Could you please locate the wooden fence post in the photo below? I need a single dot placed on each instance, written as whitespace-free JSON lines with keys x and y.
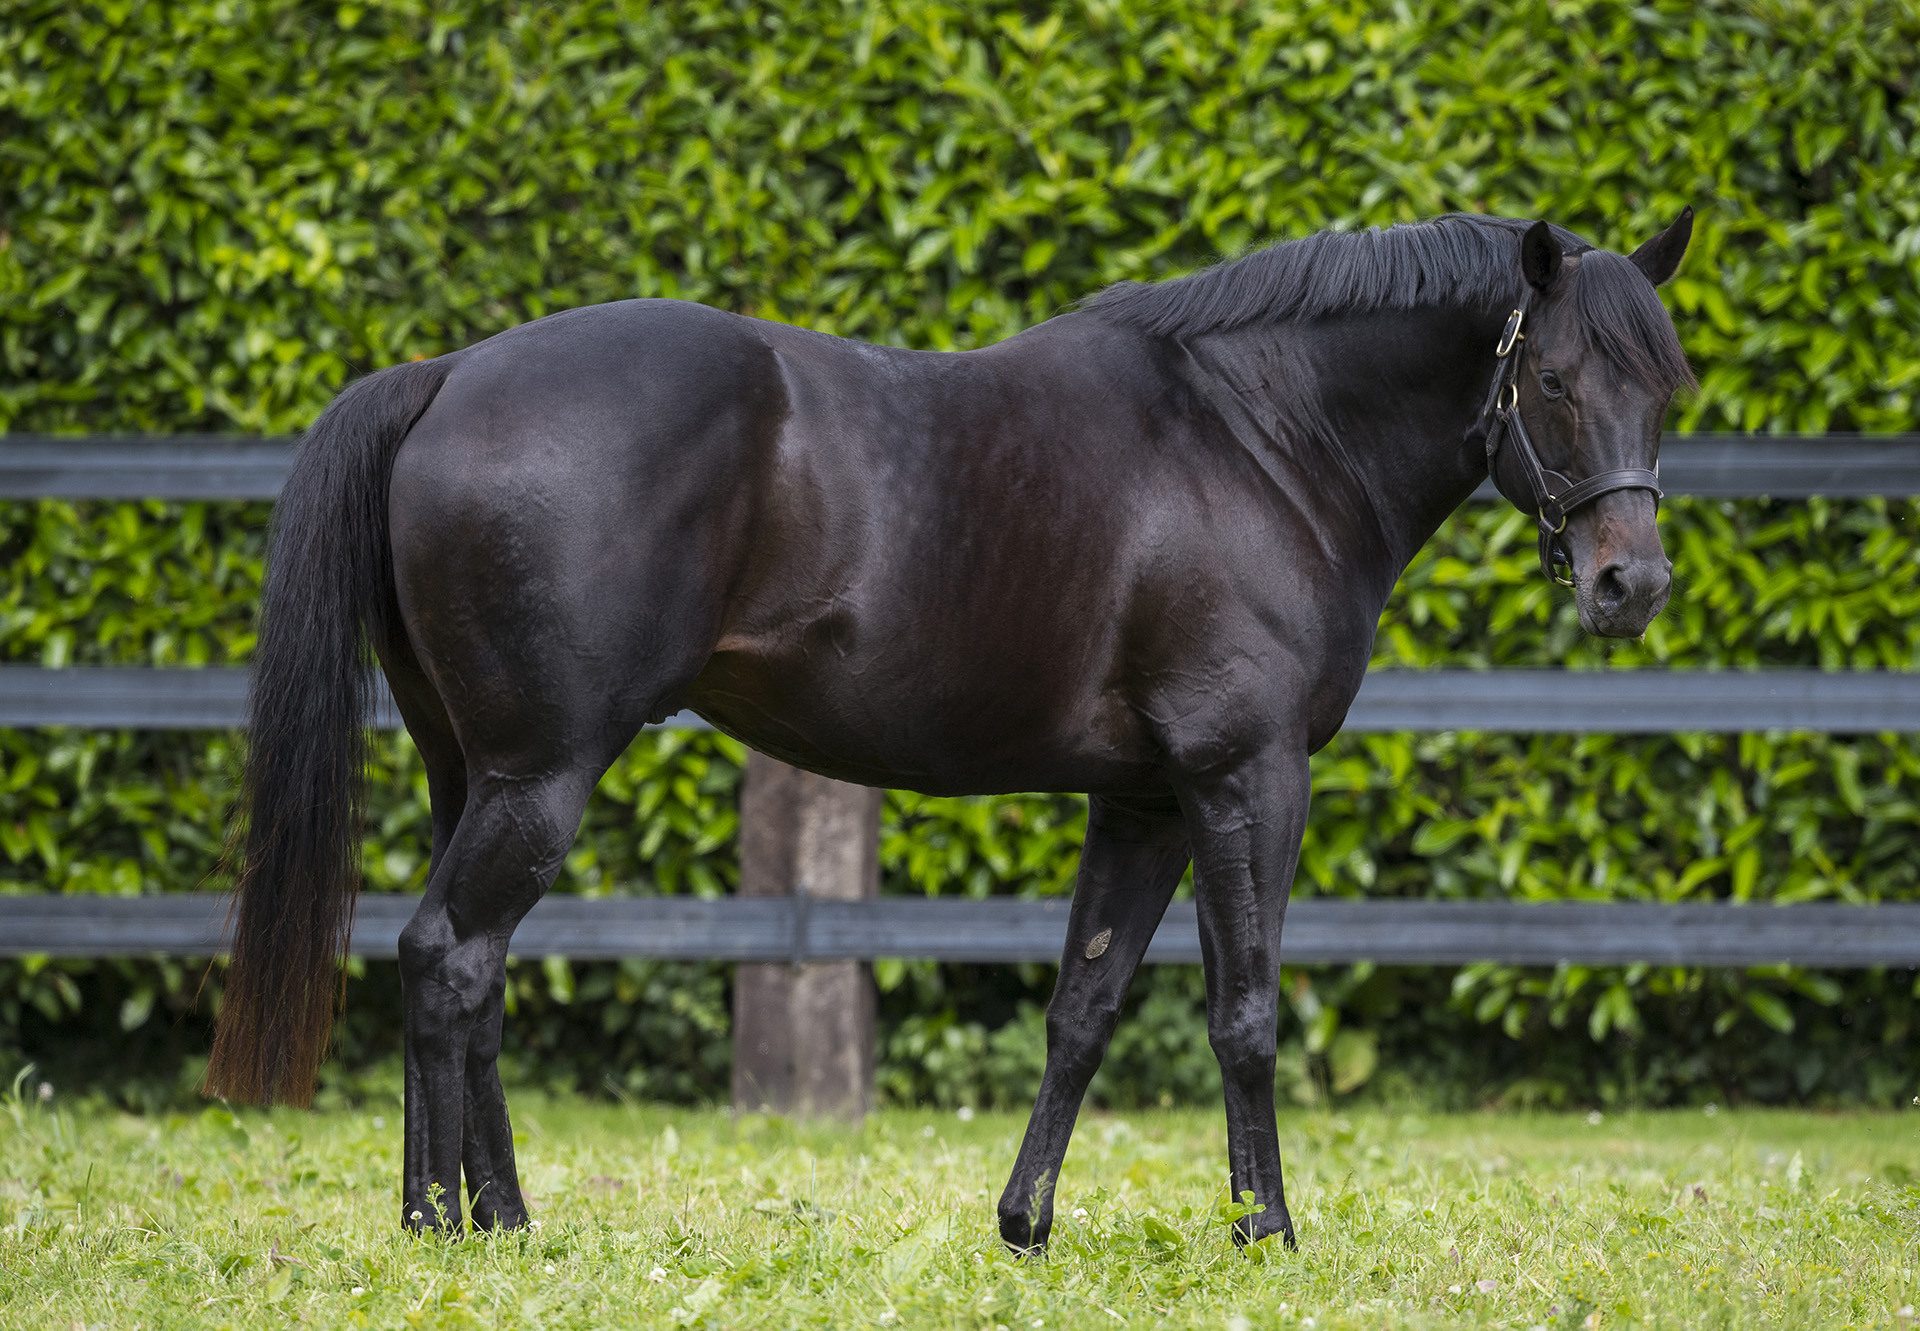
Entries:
{"x":803,"y":1032}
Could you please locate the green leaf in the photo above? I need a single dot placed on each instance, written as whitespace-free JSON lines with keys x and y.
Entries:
{"x":1352,"y":1059}
{"x":1770,"y":1010}
{"x":1160,"y":1232}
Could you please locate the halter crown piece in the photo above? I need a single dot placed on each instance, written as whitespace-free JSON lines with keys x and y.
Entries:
{"x":1553,"y":496}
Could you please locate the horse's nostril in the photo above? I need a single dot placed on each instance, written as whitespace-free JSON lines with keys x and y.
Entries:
{"x":1634,"y":582}
{"x":1610,"y":586}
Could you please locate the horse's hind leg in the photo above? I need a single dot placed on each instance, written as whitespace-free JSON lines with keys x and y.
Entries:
{"x":566,"y":519}
{"x":535,"y":728}
{"x":505,"y":853}
{"x":542,"y":697}
{"x":446,"y":770}
{"x":1131,"y":864}
{"x":486,"y":1156}
{"x":493,"y":1185}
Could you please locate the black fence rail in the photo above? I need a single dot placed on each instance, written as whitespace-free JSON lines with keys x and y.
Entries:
{"x":1640,"y":702}
{"x":800,"y":929}
{"x":1711,"y":466}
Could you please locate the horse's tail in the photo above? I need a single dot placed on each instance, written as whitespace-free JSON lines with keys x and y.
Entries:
{"x":329,"y":592}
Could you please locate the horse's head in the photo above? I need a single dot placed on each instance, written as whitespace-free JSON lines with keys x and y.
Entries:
{"x":1576,"y":413}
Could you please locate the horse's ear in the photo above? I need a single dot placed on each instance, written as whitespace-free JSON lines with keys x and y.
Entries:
{"x":1540,"y":256}
{"x":1659,"y":258}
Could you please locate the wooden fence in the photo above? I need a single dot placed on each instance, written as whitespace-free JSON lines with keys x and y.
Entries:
{"x":807,"y":916}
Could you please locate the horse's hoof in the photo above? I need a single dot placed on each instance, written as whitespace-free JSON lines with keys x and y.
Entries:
{"x":1022,"y":1236}
{"x":1264,"y":1225}
{"x":486,"y":1216}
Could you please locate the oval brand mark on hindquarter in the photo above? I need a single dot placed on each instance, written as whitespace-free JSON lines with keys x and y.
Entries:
{"x":1098,"y":943}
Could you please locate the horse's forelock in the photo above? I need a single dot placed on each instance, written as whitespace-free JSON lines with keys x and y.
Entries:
{"x":1622,"y":316}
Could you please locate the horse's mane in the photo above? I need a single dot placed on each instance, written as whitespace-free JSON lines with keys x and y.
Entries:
{"x":1458,"y":259}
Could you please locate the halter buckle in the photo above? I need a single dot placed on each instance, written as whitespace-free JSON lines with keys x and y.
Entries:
{"x":1555,"y":556}
{"x":1510,"y":335}
{"x":1558,"y":522}
{"x":1509,"y":397}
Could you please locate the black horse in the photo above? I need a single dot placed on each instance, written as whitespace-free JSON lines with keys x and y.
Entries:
{"x":1138,"y":551}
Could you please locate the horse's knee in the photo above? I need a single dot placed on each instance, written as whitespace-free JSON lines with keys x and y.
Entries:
{"x":1077,"y":1034}
{"x":1245,"y":1042}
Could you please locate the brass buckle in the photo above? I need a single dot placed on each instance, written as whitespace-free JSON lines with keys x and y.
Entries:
{"x":1509,"y":397}
{"x":1554,"y":555}
{"x":1510,"y":335}
{"x":1557,"y":555}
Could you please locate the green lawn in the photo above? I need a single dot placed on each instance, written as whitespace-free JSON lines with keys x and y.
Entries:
{"x":652,"y":1217}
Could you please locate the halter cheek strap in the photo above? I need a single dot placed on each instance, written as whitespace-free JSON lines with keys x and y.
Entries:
{"x":1552,"y":495}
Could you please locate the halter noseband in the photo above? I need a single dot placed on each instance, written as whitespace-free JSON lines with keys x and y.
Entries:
{"x":1554,"y":496}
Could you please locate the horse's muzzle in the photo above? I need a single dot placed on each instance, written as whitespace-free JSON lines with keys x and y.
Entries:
{"x":1624,"y":596}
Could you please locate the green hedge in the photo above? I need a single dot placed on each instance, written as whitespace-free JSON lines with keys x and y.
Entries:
{"x":216,"y":212}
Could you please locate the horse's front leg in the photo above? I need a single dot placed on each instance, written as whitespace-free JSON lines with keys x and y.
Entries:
{"x":1245,"y":824}
{"x":1132,"y":861}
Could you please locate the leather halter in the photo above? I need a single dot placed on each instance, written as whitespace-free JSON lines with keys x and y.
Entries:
{"x":1553,"y":496}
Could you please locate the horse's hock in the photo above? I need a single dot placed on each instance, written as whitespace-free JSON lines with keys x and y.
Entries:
{"x":803,"y":1031}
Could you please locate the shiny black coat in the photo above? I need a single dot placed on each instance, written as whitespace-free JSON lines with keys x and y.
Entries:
{"x":1138,"y":551}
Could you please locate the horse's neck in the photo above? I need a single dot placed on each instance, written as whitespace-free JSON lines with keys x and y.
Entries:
{"x":1377,"y":408}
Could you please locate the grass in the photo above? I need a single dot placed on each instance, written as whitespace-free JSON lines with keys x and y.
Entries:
{"x":656,"y":1217}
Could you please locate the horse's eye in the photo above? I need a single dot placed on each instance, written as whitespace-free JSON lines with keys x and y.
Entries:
{"x":1550,"y":384}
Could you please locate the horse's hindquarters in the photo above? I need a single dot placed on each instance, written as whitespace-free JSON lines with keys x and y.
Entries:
{"x":567,"y":517}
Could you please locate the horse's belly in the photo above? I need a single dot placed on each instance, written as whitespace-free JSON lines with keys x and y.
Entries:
{"x":916,"y":730}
